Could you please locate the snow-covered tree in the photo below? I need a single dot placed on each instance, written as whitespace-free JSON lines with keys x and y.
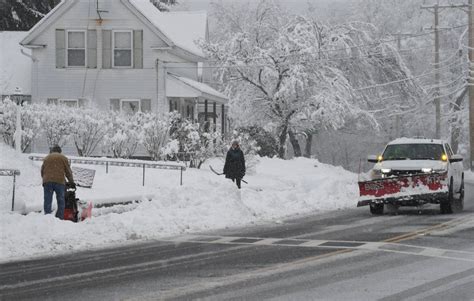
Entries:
{"x":23,"y":14}
{"x":265,"y":140}
{"x":298,"y":74}
{"x":154,"y":131}
{"x":56,"y":123}
{"x":191,"y":141}
{"x":30,"y":123}
{"x":394,"y":17}
{"x":124,"y":135}
{"x":89,"y":128}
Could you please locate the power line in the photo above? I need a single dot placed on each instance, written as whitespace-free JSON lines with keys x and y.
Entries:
{"x":349,"y":48}
{"x":406,"y":79}
{"x":373,"y":55}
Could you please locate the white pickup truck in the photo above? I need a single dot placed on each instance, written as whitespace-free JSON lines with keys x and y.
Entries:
{"x":413,"y":172}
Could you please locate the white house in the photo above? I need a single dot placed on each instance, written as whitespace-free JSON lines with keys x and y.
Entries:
{"x":123,"y":55}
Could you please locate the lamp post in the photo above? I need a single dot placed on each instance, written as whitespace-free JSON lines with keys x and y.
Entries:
{"x":18,"y":121}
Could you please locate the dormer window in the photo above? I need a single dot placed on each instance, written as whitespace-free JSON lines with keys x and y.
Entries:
{"x":76,"y":48}
{"x":122,"y":48}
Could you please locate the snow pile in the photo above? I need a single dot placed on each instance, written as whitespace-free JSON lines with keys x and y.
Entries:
{"x":205,"y":201}
{"x":28,"y":183}
{"x":469,"y":177}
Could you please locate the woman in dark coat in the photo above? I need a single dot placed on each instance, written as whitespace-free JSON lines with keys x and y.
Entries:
{"x":234,"y":167}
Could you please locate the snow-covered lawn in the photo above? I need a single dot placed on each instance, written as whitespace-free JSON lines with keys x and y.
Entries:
{"x":206,"y":201}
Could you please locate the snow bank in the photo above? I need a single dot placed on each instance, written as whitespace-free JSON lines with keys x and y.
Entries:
{"x":28,"y":184}
{"x":469,"y":177}
{"x":205,"y":201}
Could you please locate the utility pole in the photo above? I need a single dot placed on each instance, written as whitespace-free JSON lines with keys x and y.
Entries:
{"x":435,"y":9}
{"x":437,"y":77}
{"x":471,"y":83}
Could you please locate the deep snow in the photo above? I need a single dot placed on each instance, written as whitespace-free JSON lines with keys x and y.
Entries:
{"x":206,"y":201}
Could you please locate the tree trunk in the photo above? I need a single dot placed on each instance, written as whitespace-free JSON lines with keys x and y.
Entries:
{"x":282,"y":140}
{"x":295,"y":144}
{"x":308,"y":146}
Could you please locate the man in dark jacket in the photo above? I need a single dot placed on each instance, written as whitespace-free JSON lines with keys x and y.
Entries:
{"x":54,"y":170}
{"x":234,"y":167}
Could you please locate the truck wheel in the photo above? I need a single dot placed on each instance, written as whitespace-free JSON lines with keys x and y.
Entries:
{"x":446,"y":206}
{"x":460,"y":200}
{"x":376,"y":209}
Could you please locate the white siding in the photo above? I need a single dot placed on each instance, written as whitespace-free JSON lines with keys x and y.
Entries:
{"x":98,"y":85}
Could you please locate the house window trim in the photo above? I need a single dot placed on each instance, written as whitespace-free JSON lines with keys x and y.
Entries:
{"x":62,"y":101}
{"x":122,"y":100}
{"x":113,"y":49}
{"x":67,"y":48}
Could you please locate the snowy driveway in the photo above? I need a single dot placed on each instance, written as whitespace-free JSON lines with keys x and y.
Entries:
{"x":340,"y":255}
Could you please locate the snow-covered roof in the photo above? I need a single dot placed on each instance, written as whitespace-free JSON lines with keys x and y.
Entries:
{"x":15,"y":68}
{"x":179,"y":86}
{"x":182,"y":28}
{"x":416,"y":141}
{"x":43,"y":23}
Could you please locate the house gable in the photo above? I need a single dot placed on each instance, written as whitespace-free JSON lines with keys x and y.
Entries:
{"x":82,"y":13}
{"x":46,"y":22}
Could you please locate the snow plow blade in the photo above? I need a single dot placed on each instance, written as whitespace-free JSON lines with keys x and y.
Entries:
{"x":404,"y":190}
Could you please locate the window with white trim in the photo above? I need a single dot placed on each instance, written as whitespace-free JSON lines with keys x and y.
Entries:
{"x":122,"y":42}
{"x":76,"y":48}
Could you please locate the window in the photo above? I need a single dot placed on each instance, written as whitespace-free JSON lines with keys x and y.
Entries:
{"x":130,"y":106}
{"x":122,"y":49}
{"x":72,"y":103}
{"x":76,"y":48}
{"x":68,"y":102}
{"x":174,"y":104}
{"x":52,"y":101}
{"x":413,"y":152}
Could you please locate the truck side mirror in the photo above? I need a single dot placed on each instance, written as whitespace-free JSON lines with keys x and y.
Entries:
{"x":456,"y":158}
{"x":372,"y":159}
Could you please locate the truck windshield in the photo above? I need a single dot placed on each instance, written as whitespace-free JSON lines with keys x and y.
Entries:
{"x":413,"y":152}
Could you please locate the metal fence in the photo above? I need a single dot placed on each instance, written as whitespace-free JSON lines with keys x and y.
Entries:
{"x":11,"y":173}
{"x":113,"y":162}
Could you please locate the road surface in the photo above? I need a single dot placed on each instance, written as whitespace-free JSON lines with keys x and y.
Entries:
{"x":341,"y":255}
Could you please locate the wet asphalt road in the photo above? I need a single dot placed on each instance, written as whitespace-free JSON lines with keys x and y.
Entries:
{"x":342,"y":255}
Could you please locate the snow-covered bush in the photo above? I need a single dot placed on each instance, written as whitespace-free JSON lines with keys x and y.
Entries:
{"x":56,"y":122}
{"x":30,"y":123}
{"x":89,"y":127}
{"x":266,"y":141}
{"x":8,"y":121}
{"x":190,"y":141}
{"x":154,"y":132}
{"x":123,"y":136}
